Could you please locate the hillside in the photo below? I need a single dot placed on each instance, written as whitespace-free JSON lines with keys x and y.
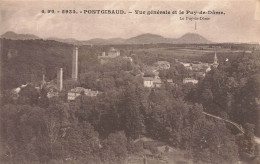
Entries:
{"x":68,"y":40}
{"x":14,"y":36}
{"x":27,"y":60}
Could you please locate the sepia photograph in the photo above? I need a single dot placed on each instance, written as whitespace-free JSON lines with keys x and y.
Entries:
{"x":130,"y":82}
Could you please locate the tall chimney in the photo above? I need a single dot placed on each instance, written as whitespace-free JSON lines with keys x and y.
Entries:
{"x":60,"y":79}
{"x":75,"y":64}
{"x":43,"y":81}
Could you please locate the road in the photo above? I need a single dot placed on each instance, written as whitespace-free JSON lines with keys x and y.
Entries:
{"x":257,"y":139}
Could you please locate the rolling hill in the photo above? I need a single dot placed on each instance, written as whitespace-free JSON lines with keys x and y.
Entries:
{"x":148,"y":38}
{"x":189,"y":38}
{"x":14,"y":36}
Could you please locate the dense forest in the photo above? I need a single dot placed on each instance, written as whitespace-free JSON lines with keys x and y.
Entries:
{"x":104,"y":129}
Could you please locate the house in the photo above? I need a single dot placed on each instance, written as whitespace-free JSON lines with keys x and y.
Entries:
{"x":208,"y":69}
{"x":15,"y":92}
{"x":187,"y":65}
{"x":200,"y":74}
{"x":111,"y":53}
{"x":18,"y":89}
{"x":171,"y":83}
{"x":128,"y":58}
{"x":75,"y":92}
{"x":52,"y":89}
{"x":52,"y":92}
{"x":190,"y":80}
{"x":152,"y":82}
{"x":148,"y":82}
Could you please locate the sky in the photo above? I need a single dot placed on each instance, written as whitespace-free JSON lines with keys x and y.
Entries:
{"x":241,"y":22}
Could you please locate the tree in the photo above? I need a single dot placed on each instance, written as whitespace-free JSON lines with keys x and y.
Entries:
{"x":60,"y":111}
{"x":114,"y":148}
{"x":23,"y":131}
{"x":134,"y":121}
{"x":213,"y":143}
{"x":28,"y":95}
{"x":43,"y":99}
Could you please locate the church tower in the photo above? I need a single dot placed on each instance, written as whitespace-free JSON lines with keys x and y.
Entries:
{"x":215,"y":62}
{"x":75,"y":64}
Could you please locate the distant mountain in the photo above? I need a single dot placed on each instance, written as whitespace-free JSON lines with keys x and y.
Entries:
{"x":68,"y":40}
{"x":99,"y":41}
{"x":189,"y":38}
{"x":147,"y":39}
{"x":193,"y":38}
{"x":116,"y":41}
{"x":14,"y":36}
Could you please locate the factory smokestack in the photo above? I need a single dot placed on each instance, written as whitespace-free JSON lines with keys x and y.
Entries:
{"x":60,"y":79}
{"x":43,"y":81}
{"x":75,"y":64}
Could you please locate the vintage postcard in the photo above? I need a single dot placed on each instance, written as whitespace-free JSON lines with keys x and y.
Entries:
{"x":130,"y":82}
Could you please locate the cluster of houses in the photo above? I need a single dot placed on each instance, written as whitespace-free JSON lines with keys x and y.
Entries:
{"x":54,"y":87}
{"x":200,"y":66}
{"x":151,"y":81}
{"x":199,"y":70}
{"x":75,"y":92}
{"x":155,"y":81}
{"x":57,"y":85}
{"x":197,"y":66}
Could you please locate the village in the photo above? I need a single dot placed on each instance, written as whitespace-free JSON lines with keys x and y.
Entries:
{"x":152,"y":80}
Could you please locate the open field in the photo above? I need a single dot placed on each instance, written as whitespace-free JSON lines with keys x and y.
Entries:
{"x":187,"y":54}
{"x":177,"y":51}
